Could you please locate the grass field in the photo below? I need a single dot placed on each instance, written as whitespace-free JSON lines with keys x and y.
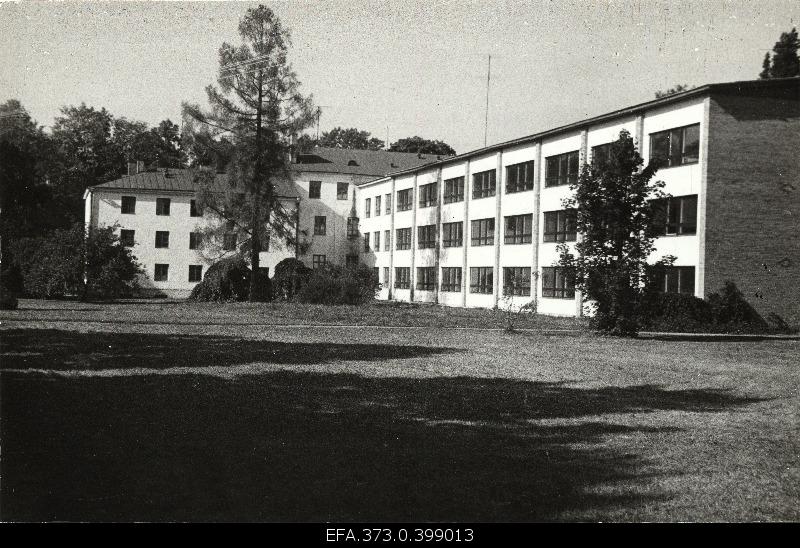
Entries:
{"x":191,"y":414}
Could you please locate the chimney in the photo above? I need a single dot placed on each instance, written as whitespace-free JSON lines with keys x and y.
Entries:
{"x":139,"y":166}
{"x":131,"y":168}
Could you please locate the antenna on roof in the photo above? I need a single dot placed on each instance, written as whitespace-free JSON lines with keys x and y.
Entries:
{"x":486,"y":119}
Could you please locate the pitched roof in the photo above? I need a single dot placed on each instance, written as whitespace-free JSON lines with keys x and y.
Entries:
{"x":360,"y":162}
{"x":182,"y":180}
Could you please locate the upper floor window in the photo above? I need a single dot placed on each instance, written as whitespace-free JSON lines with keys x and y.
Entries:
{"x":675,"y":147}
{"x":194,"y":209}
{"x":388,"y":204}
{"x":387,"y":240}
{"x":454,"y":190}
{"x":562,"y":169}
{"x":560,"y":226}
{"x":453,"y":234}
{"x":404,"y":199}
{"x":377,"y":205}
{"x":556,"y":285}
{"x":377,"y":242}
{"x":601,"y":154}
{"x":318,"y":261}
{"x":427,"y":195}
{"x":403,"y":238}
{"x":426,"y":236}
{"x":341,"y":191}
{"x":195,"y":240}
{"x":482,"y":232}
{"x":351,"y":261}
{"x":229,"y":241}
{"x":366,"y":242}
{"x":519,"y":177}
{"x":676,"y":216}
{"x":162,"y":206}
{"x":517,"y":280}
{"x":352,"y":227}
{"x":129,"y":205}
{"x":320,"y":225}
{"x":315,"y":189}
{"x":195,"y":272}
{"x":367,"y":207}
{"x":519,"y":229}
{"x":126,"y":237}
{"x":484,"y":184}
{"x":162,"y":238}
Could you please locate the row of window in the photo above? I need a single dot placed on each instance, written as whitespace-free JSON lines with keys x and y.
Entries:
{"x":128,"y":206}
{"x":161,"y":272}
{"x":128,"y":239}
{"x":315,"y":190}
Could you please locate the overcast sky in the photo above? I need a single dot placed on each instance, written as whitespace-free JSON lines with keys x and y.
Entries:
{"x":418,"y":68}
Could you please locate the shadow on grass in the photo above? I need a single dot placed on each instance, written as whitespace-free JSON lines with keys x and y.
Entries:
{"x":290,"y":446}
{"x":699,"y":337}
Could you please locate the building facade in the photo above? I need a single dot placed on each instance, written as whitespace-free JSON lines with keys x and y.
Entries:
{"x":156,"y":213}
{"x":481,"y":229}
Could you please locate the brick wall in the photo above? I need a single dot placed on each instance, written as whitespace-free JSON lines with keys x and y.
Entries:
{"x":753,"y":197}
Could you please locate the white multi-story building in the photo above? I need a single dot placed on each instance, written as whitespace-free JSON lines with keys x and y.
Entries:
{"x":155,"y":213}
{"x":470,"y":229}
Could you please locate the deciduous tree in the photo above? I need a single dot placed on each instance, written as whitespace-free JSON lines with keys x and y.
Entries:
{"x":424,"y":146}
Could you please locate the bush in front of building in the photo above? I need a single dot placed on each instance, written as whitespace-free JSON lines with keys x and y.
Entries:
{"x":291,"y":275}
{"x":227,"y":280}
{"x":334,"y":285}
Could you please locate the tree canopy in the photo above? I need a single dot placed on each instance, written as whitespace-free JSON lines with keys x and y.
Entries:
{"x":425,"y":146}
{"x":352,"y":137}
{"x":672,"y":91}
{"x":785,"y":61}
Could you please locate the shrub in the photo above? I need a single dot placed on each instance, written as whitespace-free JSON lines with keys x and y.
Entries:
{"x":290,"y":277}
{"x":336,"y":285}
{"x":226,"y":280}
{"x":8,"y":297}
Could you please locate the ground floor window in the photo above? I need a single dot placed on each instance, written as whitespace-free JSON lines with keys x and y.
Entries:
{"x":161,"y":273}
{"x":195,"y":272}
{"x":402,"y":277}
{"x":517,"y":280}
{"x":318,"y":261}
{"x":451,"y":279}
{"x":675,"y":279}
{"x":426,"y":278}
{"x":481,"y":279}
{"x":556,"y":285}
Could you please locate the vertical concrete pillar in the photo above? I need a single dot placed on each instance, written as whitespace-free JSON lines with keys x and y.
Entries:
{"x":413,"y":274}
{"x":499,"y":228}
{"x":466,"y":234}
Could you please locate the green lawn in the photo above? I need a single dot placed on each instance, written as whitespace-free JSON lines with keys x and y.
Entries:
{"x":175,"y":419}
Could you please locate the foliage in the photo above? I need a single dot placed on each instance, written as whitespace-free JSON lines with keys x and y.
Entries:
{"x":73,"y":262}
{"x":9,"y":288}
{"x":785,"y":61}
{"x":423,"y":146}
{"x":340,"y":137}
{"x":616,"y":220}
{"x":256,"y":106}
{"x":332,"y":285}
{"x":290,"y":277}
{"x":672,"y":91}
{"x":225,"y":280}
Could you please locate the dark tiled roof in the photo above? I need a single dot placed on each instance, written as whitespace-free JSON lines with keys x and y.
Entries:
{"x":182,"y":180}
{"x":360,"y":162}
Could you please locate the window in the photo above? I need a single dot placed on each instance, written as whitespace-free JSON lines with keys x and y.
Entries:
{"x":484,"y":184}
{"x":388,"y":204}
{"x":366,"y":242}
{"x":161,"y":273}
{"x":377,"y":205}
{"x":341,"y":191}
{"x":562,"y":169}
{"x":560,"y":226}
{"x":675,"y":147}
{"x":426,"y":236}
{"x":318,"y":261}
{"x":451,"y":279}
{"x":320,"y":225}
{"x":387,"y":239}
{"x":351,"y":261}
{"x":481,"y":279}
{"x":129,"y":205}
{"x":162,"y":238}
{"x":454,"y":190}
{"x":675,"y":279}
{"x":601,"y":154}
{"x":195,"y":240}
{"x":519,"y":177}
{"x":315,"y":189}
{"x":426,"y":278}
{"x":483,"y":232}
{"x":352,"y":227}
{"x":386,"y":276}
{"x":517,"y":280}
{"x":519,"y":229}
{"x":377,"y":242}
{"x":402,"y":277}
{"x":162,"y":206}
{"x":555,"y":285}
{"x":453,"y":234}
{"x":195,"y":272}
{"x":229,"y":241}
{"x":676,"y":216}
{"x":403,"y":238}
{"x":427,"y":195}
{"x":367,"y":208}
{"x":126,"y":237}
{"x":404,"y":199}
{"x":194,"y":210}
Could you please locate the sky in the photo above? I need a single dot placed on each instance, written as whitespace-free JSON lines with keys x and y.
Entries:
{"x":397,"y":68}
